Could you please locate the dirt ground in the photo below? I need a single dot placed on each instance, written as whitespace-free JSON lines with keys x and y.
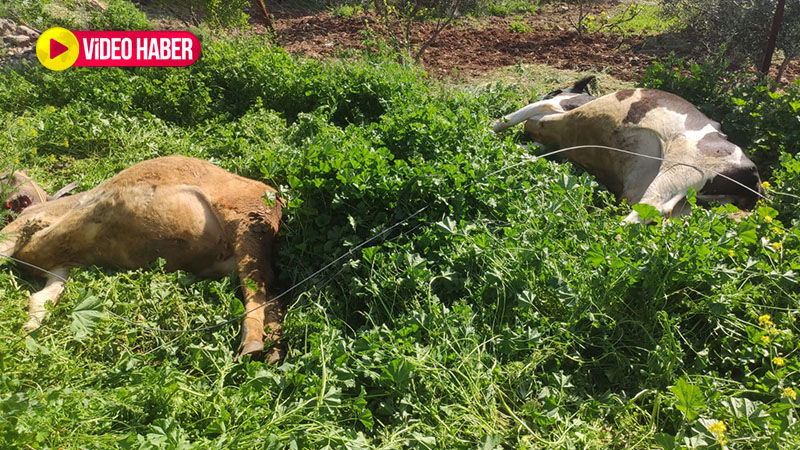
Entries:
{"x":475,"y":47}
{"x":468,"y":49}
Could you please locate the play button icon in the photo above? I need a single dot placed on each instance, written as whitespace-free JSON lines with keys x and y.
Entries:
{"x":57,"y":48}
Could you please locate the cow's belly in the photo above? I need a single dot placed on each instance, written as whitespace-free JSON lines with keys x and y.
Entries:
{"x":133,"y":227}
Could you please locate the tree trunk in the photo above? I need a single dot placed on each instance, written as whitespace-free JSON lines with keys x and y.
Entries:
{"x":773,"y":37}
{"x":267,"y":17}
{"x":786,"y":60}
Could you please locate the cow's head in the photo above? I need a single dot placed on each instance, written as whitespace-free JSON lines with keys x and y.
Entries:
{"x":738,"y":183}
{"x":17,"y":192}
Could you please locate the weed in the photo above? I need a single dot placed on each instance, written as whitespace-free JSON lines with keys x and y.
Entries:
{"x":346,"y":10}
{"x":519,"y":27}
{"x":120,"y":15}
{"x":505,"y":8}
{"x":649,"y":19}
{"x":514,"y":311}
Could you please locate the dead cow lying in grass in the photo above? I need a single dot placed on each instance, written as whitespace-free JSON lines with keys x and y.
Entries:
{"x":646,"y":122}
{"x":193,"y":214}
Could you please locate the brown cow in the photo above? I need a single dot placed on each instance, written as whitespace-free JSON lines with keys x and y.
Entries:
{"x":193,"y":214}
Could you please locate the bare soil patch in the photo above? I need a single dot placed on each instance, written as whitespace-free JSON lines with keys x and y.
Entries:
{"x":475,"y":47}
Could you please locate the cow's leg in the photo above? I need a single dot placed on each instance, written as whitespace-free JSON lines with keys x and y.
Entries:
{"x":51,"y":293}
{"x":7,"y":245}
{"x":668,"y":188}
{"x":252,"y":250}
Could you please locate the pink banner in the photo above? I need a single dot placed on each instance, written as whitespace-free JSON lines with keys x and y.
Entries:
{"x":136,"y":48}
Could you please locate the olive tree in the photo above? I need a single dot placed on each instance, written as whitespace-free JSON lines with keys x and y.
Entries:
{"x":398,"y":17}
{"x":740,"y":27}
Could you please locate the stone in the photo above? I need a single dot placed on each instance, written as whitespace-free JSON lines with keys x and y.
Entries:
{"x":17,"y":39}
{"x":7,"y":26}
{"x":22,"y":29}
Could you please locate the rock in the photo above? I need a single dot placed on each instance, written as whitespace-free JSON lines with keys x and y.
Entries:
{"x":22,"y":29}
{"x":97,"y":5}
{"x":7,"y":26}
{"x":17,"y":39}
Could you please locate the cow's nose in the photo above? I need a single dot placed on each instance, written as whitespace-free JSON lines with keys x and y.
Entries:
{"x":753,"y":175}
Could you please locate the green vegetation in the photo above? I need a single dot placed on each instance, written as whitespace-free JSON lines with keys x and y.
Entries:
{"x":647,"y":18}
{"x":738,"y":28}
{"x":75,"y":14}
{"x":515,"y":311}
{"x":219,"y":13}
{"x":632,"y":18}
{"x":517,"y":26}
{"x":346,"y":10}
{"x":475,"y":8}
{"x":503,"y":8}
{"x":120,"y":15}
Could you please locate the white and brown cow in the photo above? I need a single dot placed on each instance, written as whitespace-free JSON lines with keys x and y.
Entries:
{"x":646,"y":122}
{"x":193,"y":214}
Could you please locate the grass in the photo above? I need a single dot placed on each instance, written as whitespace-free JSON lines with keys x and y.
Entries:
{"x":631,"y":18}
{"x":346,"y":10}
{"x":532,"y":81}
{"x":649,"y":20}
{"x":75,"y":14}
{"x":505,"y":8}
{"x":519,"y":27}
{"x":515,"y":311}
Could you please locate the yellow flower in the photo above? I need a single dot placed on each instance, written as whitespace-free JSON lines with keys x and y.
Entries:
{"x":766,"y":339}
{"x":731,"y":253}
{"x":778,"y":361}
{"x":16,"y":161}
{"x":66,"y":143}
{"x":718,"y":429}
{"x":766,"y":185}
{"x":34,"y":150}
{"x":790,"y":393}
{"x":773,"y":331}
{"x":33,"y":132}
{"x":777,"y":230}
{"x":52,"y":157}
{"x":777,"y":245}
{"x":765,"y":320}
{"x":768,"y":219}
{"x":52,"y":109}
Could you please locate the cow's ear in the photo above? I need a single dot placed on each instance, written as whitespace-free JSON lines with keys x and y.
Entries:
{"x":63,"y":191}
{"x":19,"y":184}
{"x":583,"y":85}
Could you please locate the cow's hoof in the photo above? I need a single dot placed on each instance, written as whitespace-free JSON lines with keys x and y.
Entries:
{"x":31,"y":325}
{"x":252,"y":348}
{"x":274,"y":356}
